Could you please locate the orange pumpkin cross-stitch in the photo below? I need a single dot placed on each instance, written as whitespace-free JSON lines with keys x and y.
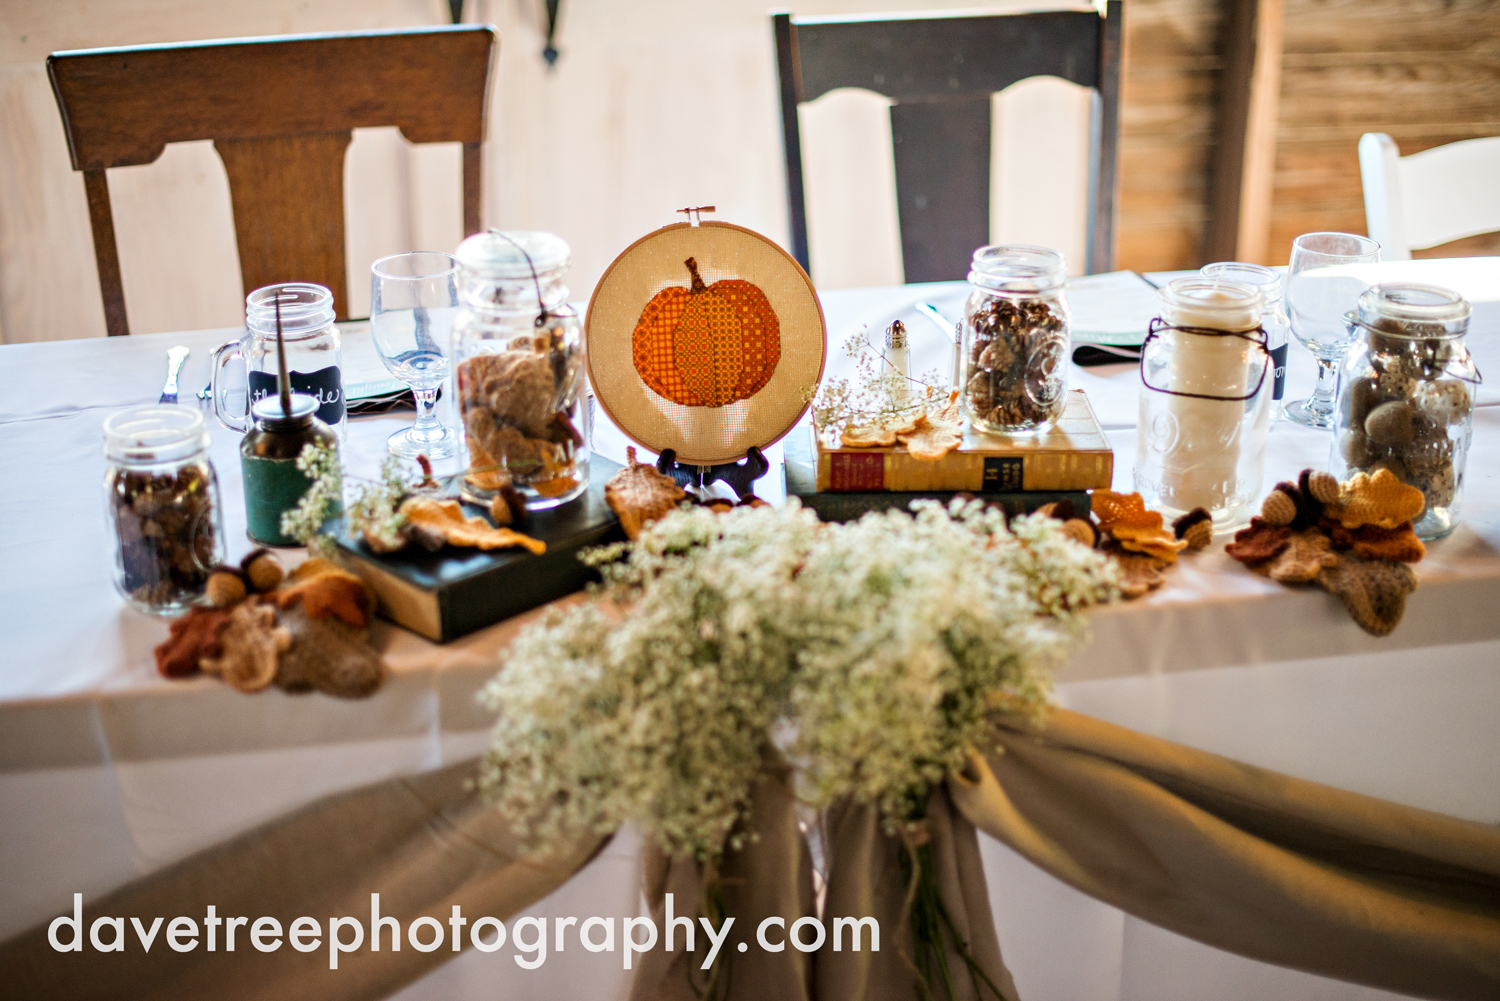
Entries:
{"x":707,"y":345}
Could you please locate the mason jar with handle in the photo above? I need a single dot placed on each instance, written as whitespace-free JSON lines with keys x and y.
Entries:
{"x":314,"y":354}
{"x":1406,"y":396}
{"x":518,"y":370}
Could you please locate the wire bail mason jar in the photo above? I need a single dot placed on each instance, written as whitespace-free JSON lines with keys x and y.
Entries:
{"x":1406,"y":396}
{"x":1206,"y":385}
{"x":162,"y":503}
{"x":1015,"y":340}
{"x":518,"y":369}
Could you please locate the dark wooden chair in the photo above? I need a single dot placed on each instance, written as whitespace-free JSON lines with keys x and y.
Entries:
{"x":940,"y":71}
{"x":280,"y":112}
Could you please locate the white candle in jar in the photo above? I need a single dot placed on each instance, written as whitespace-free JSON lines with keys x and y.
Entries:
{"x":1200,"y":467}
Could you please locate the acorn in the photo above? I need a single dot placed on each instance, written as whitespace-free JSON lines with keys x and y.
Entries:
{"x":263,"y":570}
{"x":1081,"y":530}
{"x":225,"y":587}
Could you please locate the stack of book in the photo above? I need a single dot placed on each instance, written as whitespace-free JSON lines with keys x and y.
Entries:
{"x":1020,"y":472}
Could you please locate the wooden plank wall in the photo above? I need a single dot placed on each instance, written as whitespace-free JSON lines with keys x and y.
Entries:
{"x":1167,"y":124}
{"x":1425,"y":71}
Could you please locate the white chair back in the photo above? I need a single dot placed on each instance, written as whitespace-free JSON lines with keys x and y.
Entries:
{"x":1441,"y":194}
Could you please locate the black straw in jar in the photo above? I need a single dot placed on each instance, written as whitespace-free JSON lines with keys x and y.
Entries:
{"x":283,"y":383}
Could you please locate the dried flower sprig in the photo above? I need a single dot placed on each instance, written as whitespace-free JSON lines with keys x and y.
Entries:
{"x":324,"y":498}
{"x":868,"y":397}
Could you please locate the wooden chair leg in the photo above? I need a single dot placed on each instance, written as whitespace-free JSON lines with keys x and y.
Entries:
{"x":106,"y":253}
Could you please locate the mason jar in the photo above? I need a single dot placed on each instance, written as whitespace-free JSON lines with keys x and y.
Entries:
{"x":314,"y":354}
{"x":161,"y":501}
{"x":1273,"y":318}
{"x":519,"y":370}
{"x":1015,"y":340}
{"x":1406,"y":396}
{"x":1206,"y":383}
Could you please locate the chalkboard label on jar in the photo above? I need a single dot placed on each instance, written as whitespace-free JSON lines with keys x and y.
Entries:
{"x":1278,"y":366}
{"x":326,"y":385}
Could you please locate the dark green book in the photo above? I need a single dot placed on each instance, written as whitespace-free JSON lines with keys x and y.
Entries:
{"x":801,"y":483}
{"x":453,"y":592}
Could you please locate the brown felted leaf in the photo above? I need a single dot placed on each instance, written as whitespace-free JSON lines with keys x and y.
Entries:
{"x":328,"y":655}
{"x":638,"y":495}
{"x":193,"y":637}
{"x":1259,"y":541}
{"x":1307,"y":554}
{"x":252,"y":645}
{"x":447,"y":518}
{"x":931,"y":440}
{"x":326,"y":590}
{"x":1399,"y":545}
{"x":880,"y":434}
{"x":1139,"y":573}
{"x":1373,"y":591}
{"x":1376,"y":499}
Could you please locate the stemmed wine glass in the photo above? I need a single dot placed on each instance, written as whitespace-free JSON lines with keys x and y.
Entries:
{"x":1323,"y":280}
{"x":413,"y":301}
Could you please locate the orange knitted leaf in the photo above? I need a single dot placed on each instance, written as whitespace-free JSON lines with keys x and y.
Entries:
{"x":1126,"y":510}
{"x":1375,"y":499}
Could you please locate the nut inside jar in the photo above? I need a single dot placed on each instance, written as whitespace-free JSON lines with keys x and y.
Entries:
{"x":520,"y":412}
{"x":1016,"y":364}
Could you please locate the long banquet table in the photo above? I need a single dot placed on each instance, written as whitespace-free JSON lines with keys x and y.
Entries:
{"x":109,"y":772}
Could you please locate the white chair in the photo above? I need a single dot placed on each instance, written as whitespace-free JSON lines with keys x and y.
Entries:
{"x":1441,"y":194}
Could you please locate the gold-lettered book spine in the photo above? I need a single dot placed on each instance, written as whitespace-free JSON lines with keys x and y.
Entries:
{"x":846,"y":470}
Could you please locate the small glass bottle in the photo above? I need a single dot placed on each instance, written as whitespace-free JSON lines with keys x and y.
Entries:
{"x":162,"y":505}
{"x":268,"y":460}
{"x":1406,"y":396}
{"x":895,"y":366}
{"x":1273,"y":318}
{"x":518,"y":369}
{"x":1205,"y":402}
{"x":1015,"y":340}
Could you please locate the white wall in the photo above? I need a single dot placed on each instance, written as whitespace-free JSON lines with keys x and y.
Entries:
{"x":654,"y":105}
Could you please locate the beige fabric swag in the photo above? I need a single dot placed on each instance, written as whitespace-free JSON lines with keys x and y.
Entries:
{"x":1251,"y":861}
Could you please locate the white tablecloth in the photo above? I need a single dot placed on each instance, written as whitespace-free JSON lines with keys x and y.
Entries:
{"x":108,"y":771}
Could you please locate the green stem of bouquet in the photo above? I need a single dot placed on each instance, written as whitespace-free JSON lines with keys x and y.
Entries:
{"x":931,"y":925}
{"x":712,"y":907}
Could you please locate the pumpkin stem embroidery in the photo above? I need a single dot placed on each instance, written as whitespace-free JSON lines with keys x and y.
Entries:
{"x":698,"y":284}
{"x":707,"y":345}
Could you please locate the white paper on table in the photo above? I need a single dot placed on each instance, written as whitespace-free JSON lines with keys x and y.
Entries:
{"x":364,"y":374}
{"x":1113,"y":308}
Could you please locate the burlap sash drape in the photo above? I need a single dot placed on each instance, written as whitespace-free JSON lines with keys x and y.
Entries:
{"x":771,"y":876}
{"x":1257,"y":863}
{"x":424,"y":843}
{"x":864,"y":880}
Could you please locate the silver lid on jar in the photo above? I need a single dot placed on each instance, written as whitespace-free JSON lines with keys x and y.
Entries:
{"x":268,"y":408}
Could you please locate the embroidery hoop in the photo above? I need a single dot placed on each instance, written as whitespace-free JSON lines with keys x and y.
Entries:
{"x":703,"y":436}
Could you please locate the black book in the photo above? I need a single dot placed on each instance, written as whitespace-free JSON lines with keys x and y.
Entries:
{"x":453,"y":592}
{"x":801,"y":483}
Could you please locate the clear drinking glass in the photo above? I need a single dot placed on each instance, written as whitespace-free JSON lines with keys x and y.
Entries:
{"x":1323,"y":281}
{"x":413,"y":301}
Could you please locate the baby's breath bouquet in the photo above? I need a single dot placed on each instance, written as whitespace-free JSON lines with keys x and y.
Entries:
{"x":867,"y":654}
{"x":654,"y":703}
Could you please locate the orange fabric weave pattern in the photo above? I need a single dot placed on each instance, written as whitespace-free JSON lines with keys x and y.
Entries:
{"x":707,"y":345}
